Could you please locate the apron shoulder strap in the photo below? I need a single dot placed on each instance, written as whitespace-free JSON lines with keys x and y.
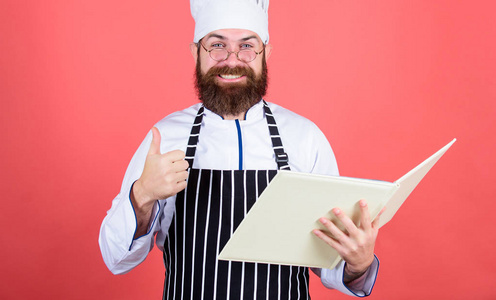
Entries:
{"x":281,"y":157}
{"x":193,"y":137}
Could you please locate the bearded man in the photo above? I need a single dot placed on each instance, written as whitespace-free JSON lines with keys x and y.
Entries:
{"x":199,"y":170}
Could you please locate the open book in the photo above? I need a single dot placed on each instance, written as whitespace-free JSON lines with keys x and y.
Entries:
{"x":278,"y":228}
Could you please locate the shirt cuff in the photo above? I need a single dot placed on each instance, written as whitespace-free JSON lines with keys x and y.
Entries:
{"x":120,"y":251}
{"x":151,"y":223}
{"x":360,"y":287}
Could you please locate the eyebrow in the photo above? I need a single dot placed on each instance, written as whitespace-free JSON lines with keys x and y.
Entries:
{"x":249,"y":38}
{"x":214,"y":35}
{"x":221,"y":37}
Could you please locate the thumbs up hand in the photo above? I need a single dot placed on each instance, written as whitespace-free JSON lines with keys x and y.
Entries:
{"x":164,"y":175}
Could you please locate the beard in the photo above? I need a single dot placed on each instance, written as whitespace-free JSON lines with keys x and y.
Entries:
{"x":231,"y":99}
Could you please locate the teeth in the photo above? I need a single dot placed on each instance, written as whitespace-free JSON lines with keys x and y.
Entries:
{"x":230,"y":76}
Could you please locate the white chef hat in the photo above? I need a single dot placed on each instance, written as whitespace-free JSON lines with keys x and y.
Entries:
{"x":212,"y":15}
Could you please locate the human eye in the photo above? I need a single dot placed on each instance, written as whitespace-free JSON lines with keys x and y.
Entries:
{"x":246,"y":46}
{"x":217,"y":46}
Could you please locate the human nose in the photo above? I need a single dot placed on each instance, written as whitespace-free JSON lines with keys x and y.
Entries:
{"x":232,"y":60}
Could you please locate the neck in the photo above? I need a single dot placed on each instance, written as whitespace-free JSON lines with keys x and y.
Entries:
{"x":240,"y":116}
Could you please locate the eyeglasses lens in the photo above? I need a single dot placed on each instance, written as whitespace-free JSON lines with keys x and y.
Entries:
{"x":223,"y":54}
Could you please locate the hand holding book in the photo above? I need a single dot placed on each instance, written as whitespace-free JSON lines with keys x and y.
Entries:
{"x":356,"y":243}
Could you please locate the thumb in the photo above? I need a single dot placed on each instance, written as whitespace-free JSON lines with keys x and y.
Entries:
{"x":155,"y":146}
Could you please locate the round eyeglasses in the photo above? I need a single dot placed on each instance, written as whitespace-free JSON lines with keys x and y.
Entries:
{"x":221,"y":54}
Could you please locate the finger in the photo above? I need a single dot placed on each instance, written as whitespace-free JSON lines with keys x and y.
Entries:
{"x":328,"y":240}
{"x":335,"y":232}
{"x":175,"y":155}
{"x":346,"y":221}
{"x":173,"y":182}
{"x":174,"y":189}
{"x":181,"y":182}
{"x":377,"y":220}
{"x":155,"y":145}
{"x":182,"y":176}
{"x":364,"y":215}
{"x":181,"y":186}
{"x":180,"y":165}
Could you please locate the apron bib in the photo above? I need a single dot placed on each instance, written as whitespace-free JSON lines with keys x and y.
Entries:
{"x":206,"y":214}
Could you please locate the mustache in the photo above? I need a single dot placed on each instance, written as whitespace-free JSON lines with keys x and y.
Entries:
{"x":239,"y":71}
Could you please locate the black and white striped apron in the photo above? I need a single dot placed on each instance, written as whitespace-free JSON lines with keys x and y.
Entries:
{"x":207,"y":213}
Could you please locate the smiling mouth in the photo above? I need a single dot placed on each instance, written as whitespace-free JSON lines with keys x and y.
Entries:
{"x":226,"y":76}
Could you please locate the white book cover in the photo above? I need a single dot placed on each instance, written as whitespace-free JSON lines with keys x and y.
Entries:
{"x":278,"y":228}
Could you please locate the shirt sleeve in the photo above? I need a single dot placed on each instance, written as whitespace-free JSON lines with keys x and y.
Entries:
{"x":120,"y":251}
{"x":361,"y":287}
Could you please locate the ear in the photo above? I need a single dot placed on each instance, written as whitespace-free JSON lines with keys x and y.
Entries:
{"x":193,"y":47}
{"x":268,"y":51}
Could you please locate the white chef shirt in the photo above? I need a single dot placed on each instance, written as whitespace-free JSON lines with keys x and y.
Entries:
{"x":218,"y":148}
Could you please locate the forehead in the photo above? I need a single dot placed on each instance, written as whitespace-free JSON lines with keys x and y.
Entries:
{"x":233,"y":35}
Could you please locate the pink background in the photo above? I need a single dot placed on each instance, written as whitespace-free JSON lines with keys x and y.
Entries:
{"x":388,"y":82}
